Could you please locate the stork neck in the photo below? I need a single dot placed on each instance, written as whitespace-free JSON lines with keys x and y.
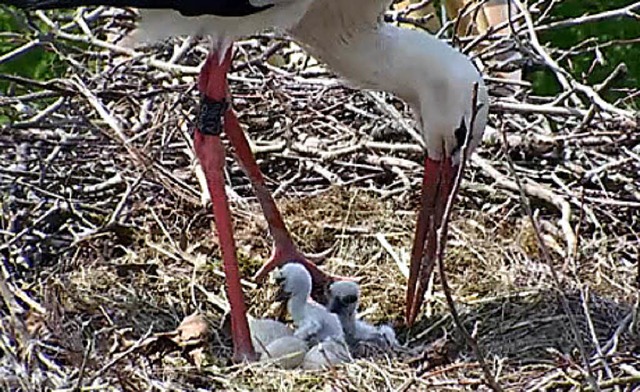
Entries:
{"x":348,"y":321}
{"x":433,"y":78}
{"x":296,"y":306}
{"x":371,"y":56}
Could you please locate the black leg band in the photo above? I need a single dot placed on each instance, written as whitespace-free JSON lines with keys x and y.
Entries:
{"x":211,"y":116}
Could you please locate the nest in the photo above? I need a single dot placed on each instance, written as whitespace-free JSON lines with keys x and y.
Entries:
{"x":107,"y":240}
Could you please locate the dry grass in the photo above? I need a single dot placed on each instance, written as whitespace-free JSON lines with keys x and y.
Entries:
{"x":107,"y":243}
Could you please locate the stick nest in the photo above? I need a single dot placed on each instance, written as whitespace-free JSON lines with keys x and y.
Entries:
{"x":106,"y":242}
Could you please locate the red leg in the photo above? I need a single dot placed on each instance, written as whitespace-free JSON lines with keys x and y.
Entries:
{"x":210,"y":151}
{"x":284,"y":249}
{"x":436,"y":188}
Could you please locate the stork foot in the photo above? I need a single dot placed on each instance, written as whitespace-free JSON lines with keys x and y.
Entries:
{"x":290,"y":254}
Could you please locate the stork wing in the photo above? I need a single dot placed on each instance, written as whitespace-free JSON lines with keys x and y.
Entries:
{"x":308,"y":328}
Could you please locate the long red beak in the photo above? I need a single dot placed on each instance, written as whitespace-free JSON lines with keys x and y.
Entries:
{"x":437,"y":185}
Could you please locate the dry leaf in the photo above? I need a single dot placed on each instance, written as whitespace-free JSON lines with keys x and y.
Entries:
{"x":197,"y":356}
{"x":194,"y":328}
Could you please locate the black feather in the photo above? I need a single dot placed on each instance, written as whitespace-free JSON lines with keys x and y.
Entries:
{"x":225,"y":8}
{"x":461,"y":135}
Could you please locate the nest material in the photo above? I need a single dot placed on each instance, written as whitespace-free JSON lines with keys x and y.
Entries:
{"x":105,"y":239}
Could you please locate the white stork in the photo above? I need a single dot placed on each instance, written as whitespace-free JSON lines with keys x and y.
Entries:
{"x":351,"y":37}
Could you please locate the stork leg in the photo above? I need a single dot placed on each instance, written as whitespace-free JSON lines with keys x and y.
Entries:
{"x":284,"y":248}
{"x":212,"y":84}
{"x":436,"y":187}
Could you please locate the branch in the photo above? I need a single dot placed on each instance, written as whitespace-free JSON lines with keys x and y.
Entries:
{"x":556,"y":279}
{"x":441,"y":241}
{"x":621,"y":12}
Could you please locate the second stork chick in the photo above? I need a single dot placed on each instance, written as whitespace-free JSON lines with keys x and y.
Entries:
{"x":344,"y":298}
{"x":274,"y":342}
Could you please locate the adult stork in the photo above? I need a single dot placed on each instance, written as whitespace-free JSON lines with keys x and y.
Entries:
{"x":438,"y":83}
{"x":351,"y":37}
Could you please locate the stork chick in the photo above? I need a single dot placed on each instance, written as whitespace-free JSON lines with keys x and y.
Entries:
{"x":313,"y":321}
{"x":344,"y":298}
{"x":275,"y":343}
{"x":325,"y":354}
{"x":266,"y":331}
{"x":287,"y":352}
{"x":315,"y":324}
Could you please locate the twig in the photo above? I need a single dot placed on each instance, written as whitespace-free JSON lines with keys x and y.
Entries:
{"x":511,"y":107}
{"x":532,"y":188}
{"x":565,"y":78}
{"x":441,"y":246}
{"x":5,"y":58}
{"x":524,"y":201}
{"x":43,"y":218}
{"x":397,"y":117}
{"x":592,"y":331}
{"x":83,"y":365}
{"x":624,"y":11}
{"x":117,"y":358}
{"x":402,"y":265}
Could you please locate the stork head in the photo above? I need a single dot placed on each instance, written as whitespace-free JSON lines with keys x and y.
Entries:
{"x":294,"y":281}
{"x":452,"y":122}
{"x":344,"y":298}
{"x":456,"y":117}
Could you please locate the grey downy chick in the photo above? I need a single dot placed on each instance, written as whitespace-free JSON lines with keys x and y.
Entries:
{"x":265,"y":331}
{"x":344,"y":299}
{"x":275,"y":343}
{"x":314,"y":323}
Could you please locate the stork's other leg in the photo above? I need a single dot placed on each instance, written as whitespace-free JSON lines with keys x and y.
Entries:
{"x":436,"y":187}
{"x":210,"y":151}
{"x":284,"y":248}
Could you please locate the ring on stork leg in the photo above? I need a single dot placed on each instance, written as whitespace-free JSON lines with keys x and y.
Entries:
{"x":211,"y":116}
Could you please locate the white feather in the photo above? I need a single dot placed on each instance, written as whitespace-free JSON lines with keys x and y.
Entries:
{"x":433,"y":78}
